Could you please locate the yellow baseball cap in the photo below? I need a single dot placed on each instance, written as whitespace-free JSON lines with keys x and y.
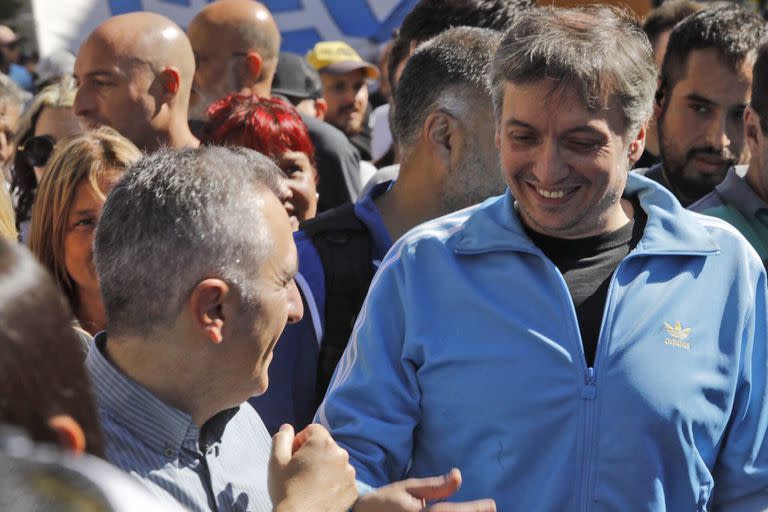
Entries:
{"x":337,"y":57}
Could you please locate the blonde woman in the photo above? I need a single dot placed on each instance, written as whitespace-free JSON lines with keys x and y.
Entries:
{"x":80,"y":173}
{"x":7,"y":218}
{"x":48,"y":119}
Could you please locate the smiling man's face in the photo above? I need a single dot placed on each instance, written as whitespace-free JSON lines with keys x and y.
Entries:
{"x":566,"y":166}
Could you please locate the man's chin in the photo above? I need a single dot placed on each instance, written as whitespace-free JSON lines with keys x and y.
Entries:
{"x":696,"y":184}
{"x":352,"y":128}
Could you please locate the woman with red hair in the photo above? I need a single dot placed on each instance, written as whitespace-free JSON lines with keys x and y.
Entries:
{"x":274,"y":128}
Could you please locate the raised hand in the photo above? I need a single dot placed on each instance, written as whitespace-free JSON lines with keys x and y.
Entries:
{"x":309,"y":471}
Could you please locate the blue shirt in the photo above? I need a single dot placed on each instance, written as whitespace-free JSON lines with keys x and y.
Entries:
{"x":221,"y":468}
{"x":290,"y":397}
{"x":22,"y":77}
{"x":467,"y":354}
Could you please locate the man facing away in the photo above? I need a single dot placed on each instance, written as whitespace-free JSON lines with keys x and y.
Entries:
{"x":443,"y":123}
{"x":581,"y":342}
{"x":742,"y":197}
{"x":703,"y":91}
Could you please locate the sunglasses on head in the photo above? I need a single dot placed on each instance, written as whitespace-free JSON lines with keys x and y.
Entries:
{"x":37,"y":150}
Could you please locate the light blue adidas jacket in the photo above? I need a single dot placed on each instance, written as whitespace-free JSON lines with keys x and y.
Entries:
{"x":467,"y":354}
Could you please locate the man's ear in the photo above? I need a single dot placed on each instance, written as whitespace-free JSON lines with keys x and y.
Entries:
{"x":70,"y":433}
{"x":170,"y":81}
{"x":752,"y":130}
{"x":253,"y":64}
{"x":206,"y":304}
{"x":637,"y":145}
{"x":321,"y":108}
{"x":440,"y":135}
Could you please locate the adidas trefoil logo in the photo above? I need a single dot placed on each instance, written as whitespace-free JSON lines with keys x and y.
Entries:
{"x":676,"y":335}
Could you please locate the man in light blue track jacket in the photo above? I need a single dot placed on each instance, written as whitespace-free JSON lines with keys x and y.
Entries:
{"x":582,"y":342}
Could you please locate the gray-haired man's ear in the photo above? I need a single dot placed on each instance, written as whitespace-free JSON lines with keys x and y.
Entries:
{"x":207,"y":305}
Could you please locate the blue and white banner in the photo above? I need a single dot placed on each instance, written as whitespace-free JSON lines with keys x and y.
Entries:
{"x":362,"y":23}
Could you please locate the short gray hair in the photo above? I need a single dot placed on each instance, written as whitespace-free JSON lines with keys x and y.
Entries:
{"x":599,"y":49}
{"x":175,"y":218}
{"x":452,"y":65}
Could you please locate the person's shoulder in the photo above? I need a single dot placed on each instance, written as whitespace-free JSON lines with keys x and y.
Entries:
{"x":326,"y":133}
{"x":708,"y":202}
{"x":730,"y":241}
{"x":442,"y":231}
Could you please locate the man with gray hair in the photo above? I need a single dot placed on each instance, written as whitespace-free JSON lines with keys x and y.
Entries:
{"x":444,"y":124}
{"x":196,"y":264}
{"x":581,"y":342}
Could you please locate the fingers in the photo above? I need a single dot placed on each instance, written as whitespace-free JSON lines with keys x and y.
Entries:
{"x":314,"y":432}
{"x":487,"y":505}
{"x":281,"y":446}
{"x":434,"y":488}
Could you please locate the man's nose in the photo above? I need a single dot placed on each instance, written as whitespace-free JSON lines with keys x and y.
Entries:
{"x":549,"y":167}
{"x":83,"y":102}
{"x":717,"y":133}
{"x":295,"y":306}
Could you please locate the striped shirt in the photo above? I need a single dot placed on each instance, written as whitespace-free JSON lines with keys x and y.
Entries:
{"x":221,"y":467}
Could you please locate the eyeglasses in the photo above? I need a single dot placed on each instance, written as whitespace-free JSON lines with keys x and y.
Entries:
{"x":37,"y":150}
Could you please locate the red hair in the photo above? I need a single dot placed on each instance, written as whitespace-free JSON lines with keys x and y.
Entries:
{"x":268,"y":125}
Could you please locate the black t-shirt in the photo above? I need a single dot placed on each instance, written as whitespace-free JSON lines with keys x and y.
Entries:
{"x":338,"y":164}
{"x":587,"y":265}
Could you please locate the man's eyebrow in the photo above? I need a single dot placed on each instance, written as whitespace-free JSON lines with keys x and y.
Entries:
{"x":512,"y":122}
{"x":101,"y":74}
{"x":585,"y":129}
{"x":516,"y":122}
{"x":699,"y":99}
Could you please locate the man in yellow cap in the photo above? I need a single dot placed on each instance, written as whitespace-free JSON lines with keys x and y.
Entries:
{"x":344,"y":75}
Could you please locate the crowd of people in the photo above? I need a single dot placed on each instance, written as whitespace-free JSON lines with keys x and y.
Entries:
{"x":533,"y":278}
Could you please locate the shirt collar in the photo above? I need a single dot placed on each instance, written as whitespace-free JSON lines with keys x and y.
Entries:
{"x":133,"y":407}
{"x":369,"y":214}
{"x":668,"y":230}
{"x":735,"y":191}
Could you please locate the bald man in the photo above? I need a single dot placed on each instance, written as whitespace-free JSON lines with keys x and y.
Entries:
{"x":236,"y":44}
{"x":135,"y":74}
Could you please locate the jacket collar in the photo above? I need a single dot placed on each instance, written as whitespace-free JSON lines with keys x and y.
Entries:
{"x":670,"y":229}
